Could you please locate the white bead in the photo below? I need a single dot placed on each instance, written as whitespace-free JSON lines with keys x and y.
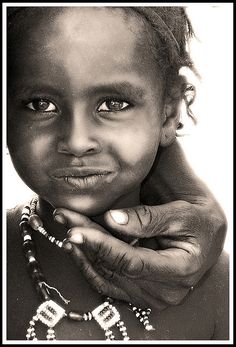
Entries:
{"x":26,"y":210}
{"x":25,"y":216}
{"x":27,"y":237}
{"x":149,"y":327}
{"x":31,"y":259}
{"x":126,"y":338}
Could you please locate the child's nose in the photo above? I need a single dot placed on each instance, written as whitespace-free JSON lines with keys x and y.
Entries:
{"x":79,"y":135}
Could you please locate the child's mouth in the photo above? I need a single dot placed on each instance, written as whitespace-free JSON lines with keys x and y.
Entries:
{"x":85,"y":182}
{"x":82,"y":177}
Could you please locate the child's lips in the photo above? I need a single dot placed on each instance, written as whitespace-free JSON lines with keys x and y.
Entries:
{"x":83,"y":177}
{"x":80,"y":172}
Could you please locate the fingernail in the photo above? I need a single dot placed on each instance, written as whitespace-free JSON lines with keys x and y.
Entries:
{"x":67,"y":246}
{"x":77,"y":238}
{"x":120,"y":217}
{"x":59,"y":218}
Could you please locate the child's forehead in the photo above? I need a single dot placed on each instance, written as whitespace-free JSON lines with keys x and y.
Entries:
{"x":93,"y":22}
{"x":91,"y":30}
{"x":66,"y":18}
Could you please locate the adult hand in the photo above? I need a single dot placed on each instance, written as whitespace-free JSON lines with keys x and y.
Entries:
{"x":186,"y":235}
{"x":144,"y":276}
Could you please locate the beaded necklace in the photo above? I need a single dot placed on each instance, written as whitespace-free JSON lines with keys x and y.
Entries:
{"x":49,"y":311}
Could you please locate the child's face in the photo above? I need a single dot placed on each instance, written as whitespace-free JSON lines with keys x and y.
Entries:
{"x":85,"y":108}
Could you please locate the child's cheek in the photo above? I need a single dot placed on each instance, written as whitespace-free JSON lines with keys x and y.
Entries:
{"x":136,"y":145}
{"x":40,"y":147}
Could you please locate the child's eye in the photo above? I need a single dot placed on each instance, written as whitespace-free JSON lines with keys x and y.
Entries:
{"x":113,"y":106}
{"x":41,"y":105}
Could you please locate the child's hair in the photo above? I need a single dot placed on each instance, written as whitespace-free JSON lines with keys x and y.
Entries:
{"x":169,"y":30}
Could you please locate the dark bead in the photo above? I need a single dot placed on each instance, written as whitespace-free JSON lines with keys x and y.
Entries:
{"x":30,"y":253}
{"x":33,"y":267}
{"x":24,"y":219}
{"x":37,"y":277}
{"x":28,"y":245}
{"x":24,"y":226}
{"x":75,"y":316}
{"x":42,"y":291}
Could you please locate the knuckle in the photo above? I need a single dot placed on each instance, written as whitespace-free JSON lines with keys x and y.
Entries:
{"x":187,"y":211}
{"x":143,"y":215}
{"x":133,"y":268}
{"x":148,"y":218}
{"x":191,"y":266}
{"x":100,"y":286}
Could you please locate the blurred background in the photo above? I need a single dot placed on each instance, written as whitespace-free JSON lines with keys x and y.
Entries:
{"x":209,"y":144}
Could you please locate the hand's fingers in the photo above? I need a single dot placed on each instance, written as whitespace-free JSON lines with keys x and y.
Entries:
{"x":171,"y":265}
{"x":114,"y":253}
{"x":71,"y":219}
{"x":149,"y":221}
{"x":100,"y":284}
{"x":107,"y":282}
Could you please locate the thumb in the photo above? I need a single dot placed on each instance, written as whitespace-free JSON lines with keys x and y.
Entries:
{"x":147,"y":221}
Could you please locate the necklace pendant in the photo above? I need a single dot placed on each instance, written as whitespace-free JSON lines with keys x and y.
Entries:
{"x":49,"y":313}
{"x":107,"y":316}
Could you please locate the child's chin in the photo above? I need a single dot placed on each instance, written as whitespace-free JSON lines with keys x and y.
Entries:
{"x":87,"y":206}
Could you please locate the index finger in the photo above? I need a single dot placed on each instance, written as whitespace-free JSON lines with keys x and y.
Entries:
{"x":170,"y":264}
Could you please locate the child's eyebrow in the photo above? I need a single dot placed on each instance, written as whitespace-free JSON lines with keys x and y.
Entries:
{"x":125,"y":89}
{"x":122,"y":89}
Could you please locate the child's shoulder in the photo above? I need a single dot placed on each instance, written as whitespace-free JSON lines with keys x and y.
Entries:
{"x":13,"y":216}
{"x":218,"y":278}
{"x":214,"y":293}
{"x":13,"y":233}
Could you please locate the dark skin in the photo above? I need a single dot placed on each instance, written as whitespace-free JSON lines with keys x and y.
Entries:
{"x":188,"y":248}
{"x":161,"y":280}
{"x":198,"y":317}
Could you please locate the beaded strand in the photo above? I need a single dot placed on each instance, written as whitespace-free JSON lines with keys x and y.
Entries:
{"x":37,"y":224}
{"x":49,"y":312}
{"x":29,"y":251}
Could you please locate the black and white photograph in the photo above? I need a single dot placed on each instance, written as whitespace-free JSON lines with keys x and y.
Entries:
{"x":117,"y":173}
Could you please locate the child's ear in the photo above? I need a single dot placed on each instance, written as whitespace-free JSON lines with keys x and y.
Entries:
{"x":170,"y":123}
